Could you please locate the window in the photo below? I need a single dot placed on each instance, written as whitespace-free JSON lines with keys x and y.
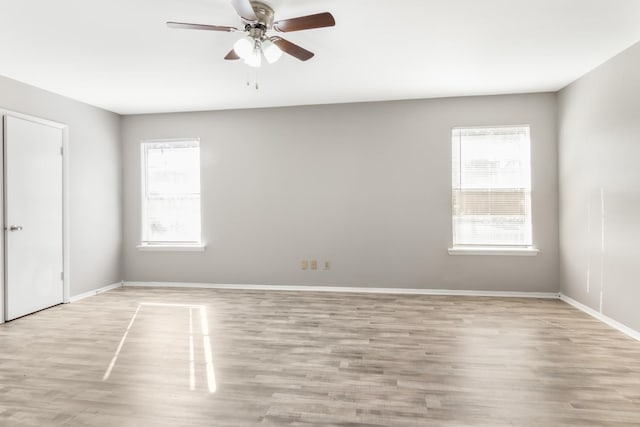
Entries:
{"x":491,"y":187}
{"x":171,"y":193}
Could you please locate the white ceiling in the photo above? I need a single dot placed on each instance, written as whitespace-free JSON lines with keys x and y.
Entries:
{"x":119,"y":55}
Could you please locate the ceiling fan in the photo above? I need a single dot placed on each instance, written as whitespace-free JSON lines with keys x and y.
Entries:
{"x":258,"y":19}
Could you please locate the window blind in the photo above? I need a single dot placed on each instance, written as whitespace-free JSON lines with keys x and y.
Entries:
{"x":491,"y":186}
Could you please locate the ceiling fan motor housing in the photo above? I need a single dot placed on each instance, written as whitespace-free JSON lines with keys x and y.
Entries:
{"x":264,"y":12}
{"x":256,"y":31}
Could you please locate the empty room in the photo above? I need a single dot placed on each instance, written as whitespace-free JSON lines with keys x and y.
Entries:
{"x":320,"y":213}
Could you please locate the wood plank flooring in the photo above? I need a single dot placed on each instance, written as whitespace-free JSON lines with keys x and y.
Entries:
{"x":203,"y":357}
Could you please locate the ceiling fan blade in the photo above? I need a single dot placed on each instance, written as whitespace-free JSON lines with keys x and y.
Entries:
{"x":232,"y":55}
{"x":292,"y":49}
{"x":244,"y":9}
{"x":187,"y":26}
{"x":319,"y":20}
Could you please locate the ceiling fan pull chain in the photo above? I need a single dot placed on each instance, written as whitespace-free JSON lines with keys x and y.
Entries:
{"x":257,"y":87}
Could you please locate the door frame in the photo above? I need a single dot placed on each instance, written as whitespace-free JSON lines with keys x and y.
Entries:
{"x":66,"y":264}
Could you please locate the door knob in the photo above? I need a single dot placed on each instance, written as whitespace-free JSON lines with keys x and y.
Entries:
{"x":15,"y":228}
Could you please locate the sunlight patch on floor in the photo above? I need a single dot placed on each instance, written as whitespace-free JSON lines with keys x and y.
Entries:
{"x":206,"y":339}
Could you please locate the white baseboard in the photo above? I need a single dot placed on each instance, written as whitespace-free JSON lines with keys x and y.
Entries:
{"x":601,"y":317}
{"x":370,"y":290}
{"x":347,"y":289}
{"x":94,"y":292}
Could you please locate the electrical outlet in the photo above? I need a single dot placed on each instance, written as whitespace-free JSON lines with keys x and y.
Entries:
{"x":304,"y":264}
{"x":314,"y":264}
{"x":327,"y":265}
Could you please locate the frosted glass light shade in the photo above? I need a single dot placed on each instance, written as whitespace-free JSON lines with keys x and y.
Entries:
{"x":271,"y":52}
{"x":254,"y":59}
{"x":244,"y":47}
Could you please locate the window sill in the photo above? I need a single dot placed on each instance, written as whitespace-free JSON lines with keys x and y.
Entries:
{"x":172,"y":248}
{"x":484,"y":250}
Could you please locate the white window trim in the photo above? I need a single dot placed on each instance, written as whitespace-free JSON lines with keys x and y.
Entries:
{"x":494,"y":250}
{"x":172,"y":247}
{"x":499,"y":250}
{"x":167,"y":246}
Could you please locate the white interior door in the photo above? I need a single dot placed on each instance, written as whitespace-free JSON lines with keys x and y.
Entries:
{"x":33,"y":216}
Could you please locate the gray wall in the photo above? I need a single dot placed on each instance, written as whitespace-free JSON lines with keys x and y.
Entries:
{"x":364,"y":186}
{"x":95,"y":204}
{"x":599,"y":152}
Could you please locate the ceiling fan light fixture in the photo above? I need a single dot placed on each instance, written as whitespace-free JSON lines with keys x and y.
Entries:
{"x":271,"y":52}
{"x":244,"y":47}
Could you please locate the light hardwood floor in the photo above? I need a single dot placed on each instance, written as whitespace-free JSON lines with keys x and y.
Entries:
{"x":123,"y":358}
